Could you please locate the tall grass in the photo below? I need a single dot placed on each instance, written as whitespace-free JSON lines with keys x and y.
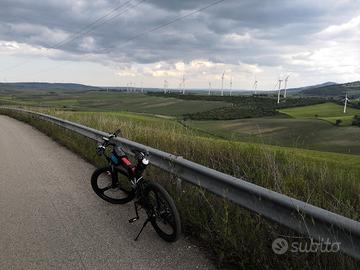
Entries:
{"x":235,"y":236}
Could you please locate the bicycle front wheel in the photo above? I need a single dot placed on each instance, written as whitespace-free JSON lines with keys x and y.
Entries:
{"x":119,"y":192}
{"x":162,"y":212}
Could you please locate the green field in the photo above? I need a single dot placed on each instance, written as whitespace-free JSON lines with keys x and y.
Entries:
{"x":112,"y":101}
{"x":300,"y":133}
{"x":327,"y":111}
{"x":310,"y":127}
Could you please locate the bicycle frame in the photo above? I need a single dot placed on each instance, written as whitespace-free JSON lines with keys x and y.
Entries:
{"x":131,"y":173}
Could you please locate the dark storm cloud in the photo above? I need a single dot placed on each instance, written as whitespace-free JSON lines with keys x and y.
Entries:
{"x":267,"y":26}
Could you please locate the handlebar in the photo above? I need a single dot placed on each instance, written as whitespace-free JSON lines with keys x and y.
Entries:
{"x":139,"y":153}
{"x":116,"y":133}
{"x":100,"y":149}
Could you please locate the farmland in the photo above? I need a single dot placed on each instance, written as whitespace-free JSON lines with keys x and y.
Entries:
{"x":326,"y":111}
{"x":112,"y":101}
{"x":241,"y":118}
{"x":313,"y":134}
{"x":310,"y":127}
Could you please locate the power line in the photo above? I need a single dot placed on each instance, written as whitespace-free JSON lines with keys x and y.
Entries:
{"x":158,"y":27}
{"x":87,"y":29}
{"x":102,"y":20}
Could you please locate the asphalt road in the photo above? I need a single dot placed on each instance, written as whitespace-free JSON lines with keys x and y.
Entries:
{"x":51,"y":219}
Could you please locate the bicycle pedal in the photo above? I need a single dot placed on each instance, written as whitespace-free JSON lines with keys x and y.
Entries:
{"x":132,"y":220}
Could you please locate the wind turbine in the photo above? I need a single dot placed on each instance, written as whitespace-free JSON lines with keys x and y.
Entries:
{"x":222,"y":83}
{"x":285,"y":86}
{"x":346,"y":100}
{"x":279,"y":91}
{"x":255,"y":86}
{"x":165,"y":86}
{"x":168,"y":89}
{"x":231,"y":83}
{"x":183,"y":84}
{"x":209,"y":88}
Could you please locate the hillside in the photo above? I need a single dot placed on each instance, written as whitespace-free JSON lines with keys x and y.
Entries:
{"x":310,"y":87}
{"x":334,"y":90}
{"x":39,"y":86}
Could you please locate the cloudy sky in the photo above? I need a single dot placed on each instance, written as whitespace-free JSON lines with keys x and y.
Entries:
{"x":117,"y":42}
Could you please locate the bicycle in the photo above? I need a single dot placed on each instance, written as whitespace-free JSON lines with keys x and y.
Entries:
{"x":120,"y":182}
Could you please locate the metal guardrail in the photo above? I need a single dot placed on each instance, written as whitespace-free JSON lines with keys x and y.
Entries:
{"x":294,"y":214}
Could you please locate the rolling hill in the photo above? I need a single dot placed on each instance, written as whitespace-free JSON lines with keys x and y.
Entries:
{"x":40,"y":86}
{"x":327,"y":111}
{"x":334,"y":90}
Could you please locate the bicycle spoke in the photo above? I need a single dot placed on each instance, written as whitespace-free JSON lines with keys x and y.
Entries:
{"x":157,"y":202}
{"x":105,"y":188}
{"x":124,"y":190}
{"x":162,"y":212}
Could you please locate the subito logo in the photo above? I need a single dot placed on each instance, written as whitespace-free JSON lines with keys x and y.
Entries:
{"x":280,"y":246}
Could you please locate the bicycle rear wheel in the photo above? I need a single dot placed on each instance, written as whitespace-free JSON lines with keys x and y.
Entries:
{"x":119,"y":193}
{"x":162,"y":212}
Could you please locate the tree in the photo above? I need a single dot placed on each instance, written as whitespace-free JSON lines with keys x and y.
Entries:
{"x":356,"y":121}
